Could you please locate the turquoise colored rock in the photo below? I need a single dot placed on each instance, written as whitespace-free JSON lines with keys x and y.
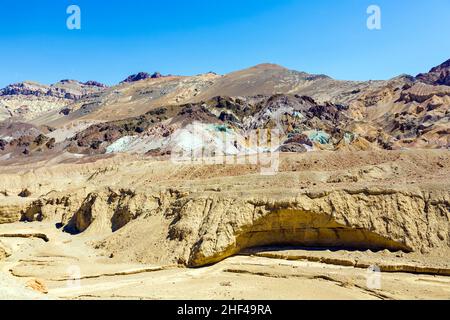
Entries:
{"x":221,"y":128}
{"x":349,"y":137}
{"x":320,"y":137}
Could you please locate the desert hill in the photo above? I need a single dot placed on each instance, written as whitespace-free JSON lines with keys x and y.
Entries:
{"x":262,"y":183}
{"x":148,"y":113}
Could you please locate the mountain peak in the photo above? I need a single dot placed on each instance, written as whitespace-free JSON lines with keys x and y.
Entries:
{"x":443,"y":65}
{"x":93,"y":83}
{"x":439,"y":75}
{"x":137,"y":77}
{"x":266,"y":65}
{"x":142,"y":76}
{"x":63,"y":89}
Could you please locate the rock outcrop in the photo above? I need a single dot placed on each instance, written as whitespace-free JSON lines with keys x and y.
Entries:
{"x":204,"y":229}
{"x":439,"y":75}
{"x":359,"y":219}
{"x":11,"y":210}
{"x":4,"y":252}
{"x":27,"y":100}
{"x":65,"y":89}
{"x":95,"y":84}
{"x":142,"y":76}
{"x":194,"y":215}
{"x":137,"y":77}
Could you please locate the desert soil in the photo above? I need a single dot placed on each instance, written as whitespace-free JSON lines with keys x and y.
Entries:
{"x":55,"y":263}
{"x":38,"y":260}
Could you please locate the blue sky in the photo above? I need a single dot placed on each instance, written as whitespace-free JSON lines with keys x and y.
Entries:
{"x":196,"y":36}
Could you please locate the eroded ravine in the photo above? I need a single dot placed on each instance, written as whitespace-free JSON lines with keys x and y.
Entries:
{"x":306,"y":229}
{"x":198,"y":222}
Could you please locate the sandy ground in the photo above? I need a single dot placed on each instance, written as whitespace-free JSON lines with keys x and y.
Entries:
{"x":68,"y":268}
{"x":43,"y":262}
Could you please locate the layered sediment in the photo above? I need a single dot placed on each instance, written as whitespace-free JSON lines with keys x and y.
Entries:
{"x":197,"y":222}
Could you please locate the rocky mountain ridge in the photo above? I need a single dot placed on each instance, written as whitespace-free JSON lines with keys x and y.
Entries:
{"x":25,"y":100}
{"x":439,"y":75}
{"x":149,"y":114}
{"x":296,"y":175}
{"x":64,"y":89}
{"x":142,"y":76}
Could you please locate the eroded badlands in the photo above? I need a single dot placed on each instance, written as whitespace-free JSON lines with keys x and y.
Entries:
{"x":142,"y":227}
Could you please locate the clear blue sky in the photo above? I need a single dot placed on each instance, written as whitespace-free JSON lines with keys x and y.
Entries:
{"x":196,"y":36}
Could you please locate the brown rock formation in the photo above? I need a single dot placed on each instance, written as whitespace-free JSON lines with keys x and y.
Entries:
{"x":198,"y":223}
{"x":439,"y":75}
